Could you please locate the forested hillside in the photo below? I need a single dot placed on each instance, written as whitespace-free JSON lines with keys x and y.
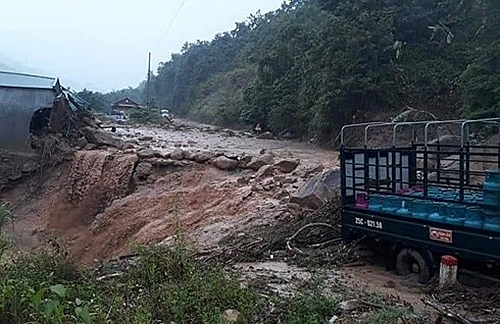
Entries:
{"x":313,"y":65}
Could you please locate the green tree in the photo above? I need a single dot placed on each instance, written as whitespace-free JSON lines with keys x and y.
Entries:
{"x":313,"y":65}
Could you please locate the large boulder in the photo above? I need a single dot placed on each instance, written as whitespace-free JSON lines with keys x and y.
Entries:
{"x":318,"y":190}
{"x":143,"y":170}
{"x":127,"y":146}
{"x":259,"y":161}
{"x":177,"y":154}
{"x":81,"y":142}
{"x":99,"y":136}
{"x":159,"y":162}
{"x":312,"y":171}
{"x":287,"y":166}
{"x":244,"y":160}
{"x":202,"y":157}
{"x":223,"y":163}
{"x":264,"y":172}
{"x":450,"y":143}
{"x":449,"y":146}
{"x":189,"y":155}
{"x":146,"y":153}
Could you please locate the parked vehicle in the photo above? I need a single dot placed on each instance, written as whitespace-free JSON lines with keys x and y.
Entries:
{"x":418,"y":198}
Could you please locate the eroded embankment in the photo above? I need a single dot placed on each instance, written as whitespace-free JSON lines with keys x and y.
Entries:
{"x":105,"y":200}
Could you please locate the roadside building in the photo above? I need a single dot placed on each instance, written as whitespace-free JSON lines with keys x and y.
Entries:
{"x":121,"y":109}
{"x":24,"y":97}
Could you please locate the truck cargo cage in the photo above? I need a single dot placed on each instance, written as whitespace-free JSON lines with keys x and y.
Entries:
{"x":435,"y":184}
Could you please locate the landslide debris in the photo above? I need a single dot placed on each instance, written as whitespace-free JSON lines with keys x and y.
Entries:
{"x":293,"y":239}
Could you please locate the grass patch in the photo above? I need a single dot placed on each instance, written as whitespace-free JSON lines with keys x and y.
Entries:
{"x":311,"y":309}
{"x":311,"y":304}
{"x":385,"y":316}
{"x":388,"y":313}
{"x":167,"y":285}
{"x":173,"y":285}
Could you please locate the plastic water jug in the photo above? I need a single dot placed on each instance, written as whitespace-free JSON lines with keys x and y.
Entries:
{"x":491,"y":227}
{"x":421,"y":208}
{"x":405,"y":208}
{"x":491,"y":216}
{"x":473,"y":223}
{"x":474,"y":214}
{"x":491,"y":196}
{"x":375,"y":202}
{"x":391,"y":204}
{"x":436,"y":215}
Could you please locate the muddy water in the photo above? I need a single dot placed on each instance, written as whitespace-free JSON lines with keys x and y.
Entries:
{"x":191,"y":136}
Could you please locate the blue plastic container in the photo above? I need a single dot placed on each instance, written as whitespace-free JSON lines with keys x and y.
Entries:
{"x":405,"y":209}
{"x":473,"y":223}
{"x":491,"y":195}
{"x":437,"y":218}
{"x":457,"y":211}
{"x":437,"y":215}
{"x":474,"y":214}
{"x":433,"y":192}
{"x":404,"y":212}
{"x":491,"y":227}
{"x":469,"y":198}
{"x":421,"y":209}
{"x":391,"y":204}
{"x":491,"y":216}
{"x":375,"y":202}
{"x":455,"y":221}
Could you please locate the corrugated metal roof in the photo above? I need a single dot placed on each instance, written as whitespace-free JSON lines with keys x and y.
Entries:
{"x":23,"y":80}
{"x":75,"y":101}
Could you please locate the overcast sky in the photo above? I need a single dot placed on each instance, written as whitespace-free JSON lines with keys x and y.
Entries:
{"x":103,"y":44}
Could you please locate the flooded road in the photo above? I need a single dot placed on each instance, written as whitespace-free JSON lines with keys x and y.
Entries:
{"x":198,"y":137}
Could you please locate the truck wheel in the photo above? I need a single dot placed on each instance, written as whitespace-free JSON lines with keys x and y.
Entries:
{"x":412,"y":261}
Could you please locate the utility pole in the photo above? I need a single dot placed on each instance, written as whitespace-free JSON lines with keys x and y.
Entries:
{"x":148,"y":89}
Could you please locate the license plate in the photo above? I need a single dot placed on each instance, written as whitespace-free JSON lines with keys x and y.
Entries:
{"x":360,"y":221}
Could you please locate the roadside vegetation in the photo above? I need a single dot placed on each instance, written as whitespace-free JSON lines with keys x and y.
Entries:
{"x":166,"y":284}
{"x":147,"y":115}
{"x":313,"y":65}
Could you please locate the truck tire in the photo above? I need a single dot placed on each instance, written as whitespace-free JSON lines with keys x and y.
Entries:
{"x":412,"y":261}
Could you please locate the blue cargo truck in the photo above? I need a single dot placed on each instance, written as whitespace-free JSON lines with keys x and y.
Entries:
{"x":421,"y":190}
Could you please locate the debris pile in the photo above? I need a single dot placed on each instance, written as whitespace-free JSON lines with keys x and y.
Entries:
{"x":465,"y":304}
{"x":310,"y":238}
{"x":66,"y":128}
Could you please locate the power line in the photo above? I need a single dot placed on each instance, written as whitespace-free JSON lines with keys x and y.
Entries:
{"x":173,"y":20}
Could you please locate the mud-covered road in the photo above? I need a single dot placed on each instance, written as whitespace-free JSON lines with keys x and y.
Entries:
{"x":193,"y":136}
